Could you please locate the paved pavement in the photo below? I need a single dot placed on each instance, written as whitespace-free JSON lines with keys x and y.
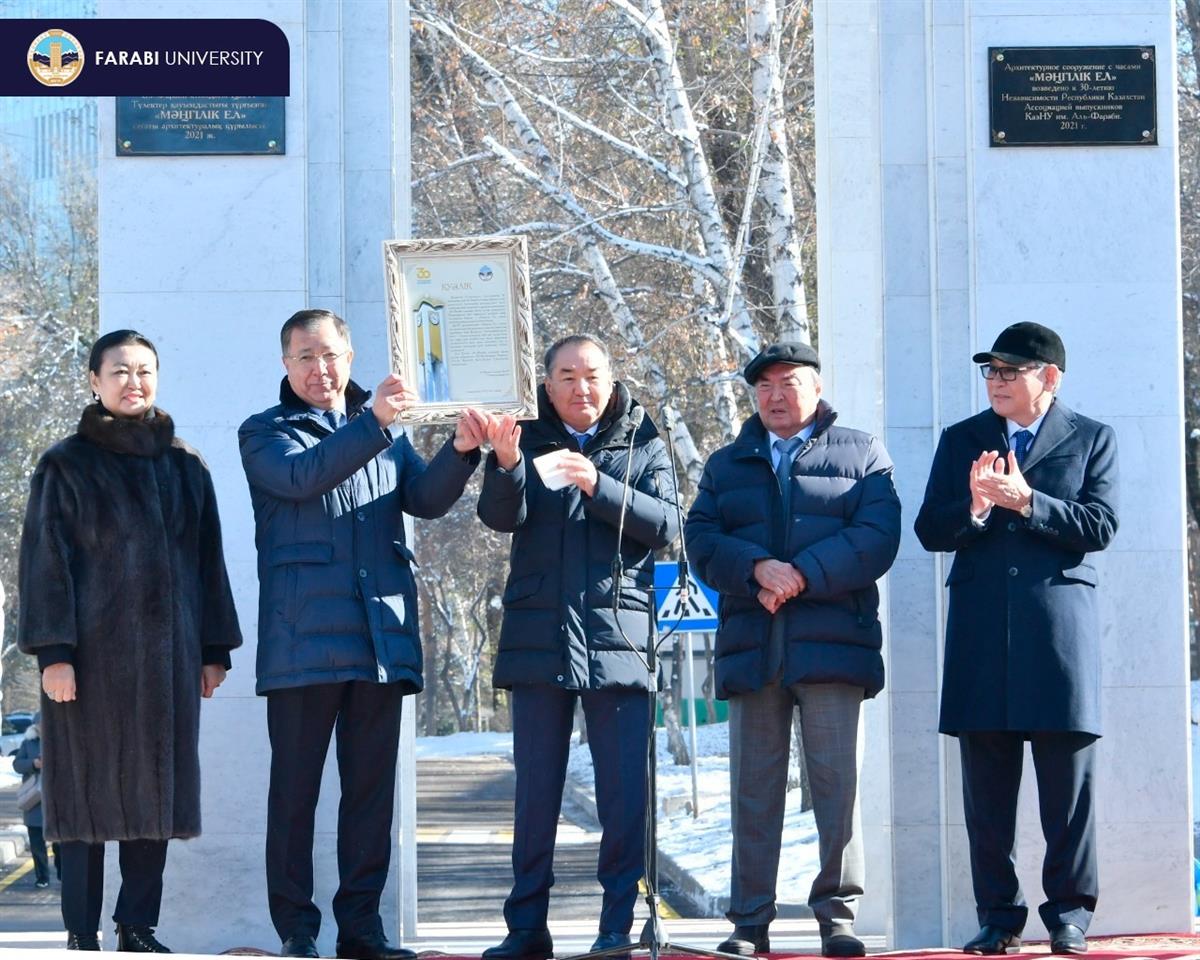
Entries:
{"x":463,"y":860}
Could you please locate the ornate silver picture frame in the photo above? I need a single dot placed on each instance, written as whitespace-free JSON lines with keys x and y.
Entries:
{"x":460,"y":325}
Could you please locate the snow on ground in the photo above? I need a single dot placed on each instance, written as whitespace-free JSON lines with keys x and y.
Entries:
{"x":7,"y":777}
{"x":1195,"y":738}
{"x":464,"y":745}
{"x":703,"y":845}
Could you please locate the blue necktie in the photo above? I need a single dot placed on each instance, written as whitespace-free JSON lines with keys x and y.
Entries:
{"x":333,"y":418}
{"x":1020,"y":444}
{"x":786,"y":449}
{"x":581,"y":439}
{"x":777,"y":642}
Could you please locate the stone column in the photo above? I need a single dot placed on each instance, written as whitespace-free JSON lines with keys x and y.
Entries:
{"x":930,"y":242}
{"x":208,"y":256}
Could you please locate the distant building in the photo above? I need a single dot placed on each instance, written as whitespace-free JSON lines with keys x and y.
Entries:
{"x":46,"y":136}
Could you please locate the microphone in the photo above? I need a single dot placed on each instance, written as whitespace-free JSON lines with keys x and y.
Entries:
{"x":636,"y":416}
{"x":685,"y":580}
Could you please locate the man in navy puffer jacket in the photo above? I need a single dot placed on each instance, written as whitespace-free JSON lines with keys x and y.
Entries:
{"x":794,"y":522}
{"x":330,"y":480}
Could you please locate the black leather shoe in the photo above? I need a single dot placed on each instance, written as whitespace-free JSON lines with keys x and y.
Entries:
{"x":301,"y":945}
{"x":82,"y":941}
{"x":842,"y":944}
{"x":522,"y":945}
{"x":372,"y":948}
{"x":138,"y":938}
{"x":990,"y":941}
{"x":746,"y":941}
{"x":1068,"y":939}
{"x":612,"y":941}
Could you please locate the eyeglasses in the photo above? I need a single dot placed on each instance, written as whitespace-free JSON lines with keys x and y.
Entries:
{"x":1007,"y":374}
{"x":326,"y":359}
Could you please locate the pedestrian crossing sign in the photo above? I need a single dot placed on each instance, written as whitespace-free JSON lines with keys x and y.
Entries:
{"x":698,"y":612}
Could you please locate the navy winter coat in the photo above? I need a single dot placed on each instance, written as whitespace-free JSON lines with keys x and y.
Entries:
{"x":842,"y":535}
{"x":558,"y":617}
{"x":1022,"y":626}
{"x":29,"y":751}
{"x":337,"y":599}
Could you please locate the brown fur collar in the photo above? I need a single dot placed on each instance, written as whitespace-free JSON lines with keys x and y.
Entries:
{"x":149,"y":437}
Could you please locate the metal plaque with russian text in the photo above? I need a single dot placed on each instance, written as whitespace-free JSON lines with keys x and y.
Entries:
{"x":180,"y":126}
{"x":1072,"y":96}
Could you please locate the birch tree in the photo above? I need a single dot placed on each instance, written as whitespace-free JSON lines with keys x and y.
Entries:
{"x":48,"y":317}
{"x":656,"y":154}
{"x":614,"y":144}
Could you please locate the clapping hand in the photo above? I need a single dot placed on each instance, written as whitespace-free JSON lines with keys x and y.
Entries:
{"x":981,"y":468}
{"x":1003,"y":484}
{"x":471,"y":429}
{"x":504,"y":434}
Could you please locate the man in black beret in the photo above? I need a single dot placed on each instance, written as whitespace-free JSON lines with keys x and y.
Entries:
{"x":794,"y":522}
{"x":1022,"y":493}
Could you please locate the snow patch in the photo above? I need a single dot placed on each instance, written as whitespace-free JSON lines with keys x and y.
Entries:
{"x":7,"y":777}
{"x":465,"y":745}
{"x":703,"y":845}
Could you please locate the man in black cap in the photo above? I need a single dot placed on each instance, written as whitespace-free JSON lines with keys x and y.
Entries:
{"x":794,"y":522}
{"x":1022,"y":493}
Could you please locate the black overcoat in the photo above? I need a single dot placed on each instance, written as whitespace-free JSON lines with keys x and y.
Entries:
{"x":121,"y":566}
{"x":558,"y":603}
{"x":1022,"y":628}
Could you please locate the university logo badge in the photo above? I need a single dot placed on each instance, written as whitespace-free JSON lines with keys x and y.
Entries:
{"x":485,"y":272}
{"x":55,"y":58}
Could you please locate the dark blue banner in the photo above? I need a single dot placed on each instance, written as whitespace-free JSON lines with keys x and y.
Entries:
{"x":107,"y":58}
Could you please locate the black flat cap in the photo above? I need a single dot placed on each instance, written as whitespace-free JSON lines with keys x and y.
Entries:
{"x":797,"y":354}
{"x":1024,"y":342}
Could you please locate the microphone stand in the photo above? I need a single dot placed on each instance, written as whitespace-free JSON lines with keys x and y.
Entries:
{"x":653,"y":939}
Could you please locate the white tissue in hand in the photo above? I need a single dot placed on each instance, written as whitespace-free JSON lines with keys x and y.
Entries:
{"x":552,"y":470}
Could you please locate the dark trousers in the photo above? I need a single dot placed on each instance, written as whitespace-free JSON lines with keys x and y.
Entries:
{"x":142,"y":863}
{"x":300,"y":720}
{"x":617,"y":725}
{"x":991,"y":772}
{"x":41,"y":859}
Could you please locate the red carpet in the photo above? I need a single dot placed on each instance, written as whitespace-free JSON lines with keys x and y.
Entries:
{"x":1164,"y":946}
{"x":1152,"y":946}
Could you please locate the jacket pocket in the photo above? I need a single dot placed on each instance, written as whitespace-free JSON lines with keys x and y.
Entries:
{"x":960,"y":572}
{"x":1081,"y":573}
{"x":290,"y":556}
{"x":522,"y":589}
{"x":402,"y":549}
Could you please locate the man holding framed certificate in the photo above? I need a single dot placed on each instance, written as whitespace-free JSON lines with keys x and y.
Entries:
{"x":565,"y":637}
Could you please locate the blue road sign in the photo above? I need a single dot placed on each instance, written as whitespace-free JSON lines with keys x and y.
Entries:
{"x":697,"y":612}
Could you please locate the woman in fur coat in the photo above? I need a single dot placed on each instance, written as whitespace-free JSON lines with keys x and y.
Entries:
{"x":125,"y":601}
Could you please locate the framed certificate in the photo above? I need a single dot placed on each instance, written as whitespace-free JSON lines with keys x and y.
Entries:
{"x":460,"y":325}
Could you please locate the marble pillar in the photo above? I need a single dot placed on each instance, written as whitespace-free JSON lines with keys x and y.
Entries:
{"x":208,"y":256}
{"x":930,"y":242}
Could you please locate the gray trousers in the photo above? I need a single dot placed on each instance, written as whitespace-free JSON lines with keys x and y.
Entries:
{"x":760,"y":731}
